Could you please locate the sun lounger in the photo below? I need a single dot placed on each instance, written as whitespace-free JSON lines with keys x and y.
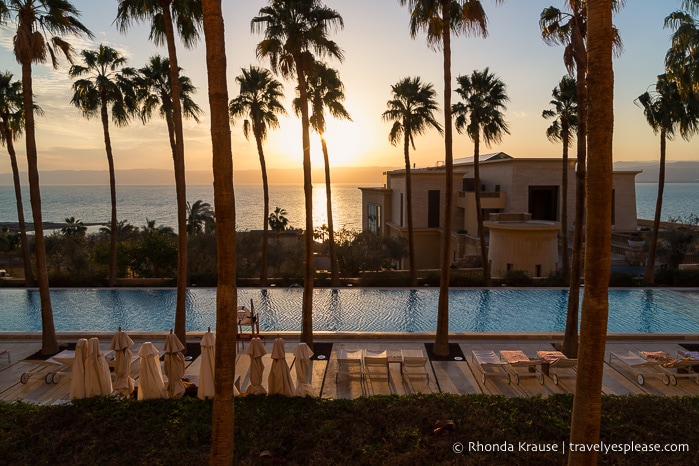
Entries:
{"x":413,"y":364}
{"x":517,"y":358}
{"x":57,"y":365}
{"x":376,"y":364}
{"x":491,"y":365}
{"x":688,"y":354}
{"x":645,"y":366}
{"x":676,"y":368}
{"x":349,"y":364}
{"x":557,"y":360}
{"x":6,"y":353}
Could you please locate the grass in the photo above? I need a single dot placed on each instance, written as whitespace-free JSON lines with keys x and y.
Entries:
{"x":376,"y":430}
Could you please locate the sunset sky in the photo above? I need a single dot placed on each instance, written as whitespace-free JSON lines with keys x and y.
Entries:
{"x":378,"y":53}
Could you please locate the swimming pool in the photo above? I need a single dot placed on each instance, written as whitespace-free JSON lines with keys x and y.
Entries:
{"x":349,"y":309}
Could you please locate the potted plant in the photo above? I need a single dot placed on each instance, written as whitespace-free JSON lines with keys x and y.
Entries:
{"x":635,"y":241}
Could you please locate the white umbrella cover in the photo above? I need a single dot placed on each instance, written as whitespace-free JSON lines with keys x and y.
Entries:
{"x":256,"y":350}
{"x":207,"y":367}
{"x":303,"y":370}
{"x":77,"y":381}
{"x":150,"y":381}
{"x":123,"y":383}
{"x":279,"y":382}
{"x":174,"y":366}
{"x":98,"y":379}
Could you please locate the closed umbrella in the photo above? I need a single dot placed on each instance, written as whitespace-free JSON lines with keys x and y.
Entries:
{"x":207,"y":367}
{"x":77,"y":381}
{"x":174,"y":366}
{"x":98,"y":379}
{"x":121,"y":344}
{"x":150,"y":380}
{"x":256,"y":350}
{"x":303,"y":370}
{"x":279,"y":382}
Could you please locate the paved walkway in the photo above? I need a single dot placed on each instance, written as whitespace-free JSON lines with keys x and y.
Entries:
{"x":453,"y":376}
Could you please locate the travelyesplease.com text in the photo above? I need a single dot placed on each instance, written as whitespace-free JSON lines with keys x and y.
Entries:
{"x":565,"y":447}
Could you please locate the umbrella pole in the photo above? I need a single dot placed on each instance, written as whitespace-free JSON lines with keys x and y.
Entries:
{"x":255,"y":320}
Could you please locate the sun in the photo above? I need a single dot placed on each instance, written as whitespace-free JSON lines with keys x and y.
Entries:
{"x":347,"y":142}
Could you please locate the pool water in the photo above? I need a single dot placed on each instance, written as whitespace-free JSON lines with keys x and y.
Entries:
{"x":349,"y":309}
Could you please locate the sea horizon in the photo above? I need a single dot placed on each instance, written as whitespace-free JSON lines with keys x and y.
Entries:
{"x":136,"y":203}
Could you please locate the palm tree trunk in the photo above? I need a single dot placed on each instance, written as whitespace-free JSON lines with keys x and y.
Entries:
{"x":26,"y":256}
{"x":565,"y":259}
{"x":649,"y":276}
{"x":570,"y":337}
{"x":334,"y":276}
{"x":307,"y":312}
{"x":409,"y":213}
{"x":479,"y":212}
{"x":587,"y":403}
{"x":180,"y":182}
{"x":265,"y":223}
{"x":441,"y":342}
{"x":49,"y":343}
{"x":112,"y":195}
{"x":222,"y":419}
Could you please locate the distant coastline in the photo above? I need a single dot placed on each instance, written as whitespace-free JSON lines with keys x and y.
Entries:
{"x":164,"y":177}
{"x":675,"y":172}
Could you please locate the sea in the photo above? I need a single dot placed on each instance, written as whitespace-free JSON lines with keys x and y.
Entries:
{"x":137,"y":204}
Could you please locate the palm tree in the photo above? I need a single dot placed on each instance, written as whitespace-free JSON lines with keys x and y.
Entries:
{"x":41,"y":25}
{"x":224,"y":200}
{"x":682,"y":59}
{"x":11,"y":125}
{"x":155,"y":91}
{"x":462,"y":16}
{"x":570,"y":30}
{"x":278,"y":221}
{"x":565,"y":115}
{"x":187,"y":15}
{"x":666,"y":112}
{"x":105,"y":88}
{"x":259,"y":101}
{"x":481,"y":116}
{"x":296,"y":31}
{"x":151,"y":228}
{"x":587,"y":402}
{"x":200,"y":218}
{"x":411,"y":110}
{"x":325,"y":90}
{"x":74,"y":227}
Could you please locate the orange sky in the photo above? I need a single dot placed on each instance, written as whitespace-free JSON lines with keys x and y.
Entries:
{"x":379,"y":52}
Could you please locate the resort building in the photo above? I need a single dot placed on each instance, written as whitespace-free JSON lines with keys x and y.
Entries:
{"x":524,"y":193}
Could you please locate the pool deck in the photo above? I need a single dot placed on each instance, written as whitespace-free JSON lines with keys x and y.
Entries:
{"x":452,"y":376}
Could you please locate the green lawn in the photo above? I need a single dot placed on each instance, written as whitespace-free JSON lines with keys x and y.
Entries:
{"x":377,"y":430}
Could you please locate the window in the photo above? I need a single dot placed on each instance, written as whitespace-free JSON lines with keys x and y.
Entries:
{"x":537,"y":270}
{"x":433,"y":208}
{"x":374,"y":218}
{"x":543,"y":202}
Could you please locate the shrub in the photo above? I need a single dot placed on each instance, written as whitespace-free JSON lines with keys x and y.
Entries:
{"x":622,"y":279}
{"x":517,"y":278}
{"x":675,"y":277}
